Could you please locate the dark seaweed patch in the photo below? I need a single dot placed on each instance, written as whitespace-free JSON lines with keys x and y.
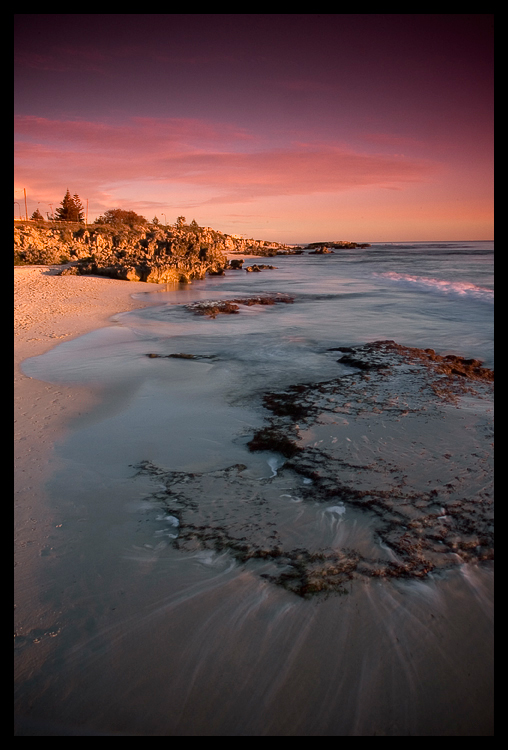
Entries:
{"x":269,"y":439}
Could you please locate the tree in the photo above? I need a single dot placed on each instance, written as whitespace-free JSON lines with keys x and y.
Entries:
{"x":180,"y":222}
{"x":155,"y":221}
{"x":70,"y":209}
{"x":37,"y":216}
{"x":79,"y":208}
{"x":119,"y":216}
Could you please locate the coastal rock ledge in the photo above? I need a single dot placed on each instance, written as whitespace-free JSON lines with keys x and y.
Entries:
{"x":149,"y":253}
{"x":385,"y":472}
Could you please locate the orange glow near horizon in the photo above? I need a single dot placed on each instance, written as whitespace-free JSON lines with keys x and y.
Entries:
{"x":382,"y":143}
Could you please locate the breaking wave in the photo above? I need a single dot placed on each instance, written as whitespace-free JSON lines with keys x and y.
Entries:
{"x":441,"y":286}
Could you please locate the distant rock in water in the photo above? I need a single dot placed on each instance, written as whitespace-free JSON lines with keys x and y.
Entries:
{"x":291,"y":251}
{"x":326,"y":247}
{"x":235,"y":264}
{"x":259,"y":267}
{"x":211,"y":308}
{"x":149,"y":253}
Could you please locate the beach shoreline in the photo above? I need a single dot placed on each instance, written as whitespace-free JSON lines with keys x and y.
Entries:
{"x":49,"y":309}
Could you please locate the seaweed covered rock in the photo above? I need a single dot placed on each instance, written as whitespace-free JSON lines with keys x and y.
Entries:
{"x":384,"y":472}
{"x":212,"y":308}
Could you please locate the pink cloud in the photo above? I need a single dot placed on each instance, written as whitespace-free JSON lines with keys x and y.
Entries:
{"x":150,"y":134}
{"x":216,"y":158}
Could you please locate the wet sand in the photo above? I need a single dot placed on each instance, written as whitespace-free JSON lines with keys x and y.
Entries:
{"x":119,"y":633}
{"x":48,"y":309}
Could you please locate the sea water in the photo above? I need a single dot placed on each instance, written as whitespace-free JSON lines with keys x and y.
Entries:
{"x":192,"y":642}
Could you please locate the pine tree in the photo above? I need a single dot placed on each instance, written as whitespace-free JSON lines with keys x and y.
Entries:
{"x":71,"y":209}
{"x":37,"y":216}
{"x":80,"y":211}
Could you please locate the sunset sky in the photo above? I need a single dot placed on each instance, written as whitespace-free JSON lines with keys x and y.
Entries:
{"x":294,"y":128}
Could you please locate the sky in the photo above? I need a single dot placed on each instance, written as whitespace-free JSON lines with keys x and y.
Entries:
{"x":286,"y":127}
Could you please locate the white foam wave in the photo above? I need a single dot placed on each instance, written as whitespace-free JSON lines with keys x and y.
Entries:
{"x":441,"y":286}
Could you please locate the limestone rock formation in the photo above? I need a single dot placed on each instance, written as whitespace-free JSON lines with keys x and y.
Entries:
{"x":150,"y":253}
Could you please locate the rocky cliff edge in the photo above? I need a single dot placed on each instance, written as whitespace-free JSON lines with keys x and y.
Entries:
{"x":149,"y":253}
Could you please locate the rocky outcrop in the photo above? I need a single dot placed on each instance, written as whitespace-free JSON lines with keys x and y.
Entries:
{"x":337,"y":244}
{"x":45,"y":246}
{"x":256,"y":268}
{"x":235,"y":264}
{"x":212,"y":308}
{"x":232,"y":244}
{"x":154,"y":254}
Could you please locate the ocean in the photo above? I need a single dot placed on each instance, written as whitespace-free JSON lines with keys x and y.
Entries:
{"x":283,"y":528}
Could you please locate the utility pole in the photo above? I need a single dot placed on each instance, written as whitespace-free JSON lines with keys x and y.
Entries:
{"x":26,"y":209}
